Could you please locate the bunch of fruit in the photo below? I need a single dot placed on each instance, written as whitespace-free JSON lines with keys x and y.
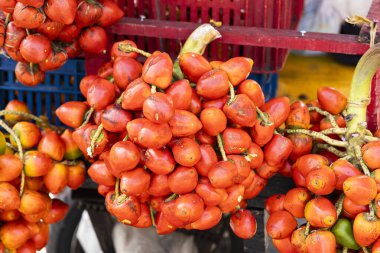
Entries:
{"x":177,"y":153}
{"x":42,"y":35}
{"x":337,"y":187}
{"x":33,"y":165}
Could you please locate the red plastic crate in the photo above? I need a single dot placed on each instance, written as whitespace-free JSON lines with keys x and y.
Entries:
{"x":277,"y":14}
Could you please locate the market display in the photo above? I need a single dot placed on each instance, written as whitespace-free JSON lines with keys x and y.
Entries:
{"x":43,"y":35}
{"x":36,"y":161}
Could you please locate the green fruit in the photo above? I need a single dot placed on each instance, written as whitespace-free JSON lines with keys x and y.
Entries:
{"x":3,"y":144}
{"x":344,"y":234}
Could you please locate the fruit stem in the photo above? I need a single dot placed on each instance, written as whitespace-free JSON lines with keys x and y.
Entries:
{"x":11,"y":147}
{"x":171,"y":197}
{"x":20,"y":151}
{"x":328,"y":115}
{"x":339,"y":205}
{"x":370,"y":138}
{"x":365,"y":250}
{"x":87,"y":116}
{"x":317,"y":135}
{"x":90,"y":150}
{"x":120,"y":99}
{"x":334,"y":131}
{"x":152,"y":215}
{"x":117,"y":191}
{"x":331,"y":149}
{"x":221,"y":147}
{"x":345,"y":250}
{"x":232,"y":94}
{"x":28,"y":33}
{"x":358,"y":155}
{"x":196,"y":43}
{"x":153,"y":89}
{"x":307,"y":229}
{"x":126,"y":48}
{"x":126,"y":137}
{"x":264,"y":117}
{"x":7,"y":19}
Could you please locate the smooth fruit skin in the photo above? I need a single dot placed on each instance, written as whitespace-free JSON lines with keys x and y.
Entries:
{"x":360,"y":189}
{"x":37,"y":164}
{"x":56,"y":179}
{"x":321,"y":241}
{"x":16,"y":105}
{"x":28,"y":133}
{"x":351,"y":209}
{"x":9,"y":199}
{"x":320,"y":212}
{"x":52,"y":145}
{"x":298,"y":240}
{"x":241,"y":111}
{"x":210,"y":218}
{"x":344,"y":235}
{"x":253,"y":90}
{"x":243,"y":224}
{"x":278,"y":109}
{"x":295,"y":201}
{"x":275,"y":203}
{"x":158,"y":70}
{"x":193,"y":65}
{"x":277,"y":150}
{"x":281,"y":224}
{"x":10,"y":167}
{"x":343,"y":170}
{"x":135,"y":182}
{"x":366,"y":229}
{"x":180,"y":93}
{"x":214,"y":121}
{"x":283,"y":245}
{"x":14,"y":234}
{"x":213,"y":84}
{"x":72,"y":113}
{"x":331,"y":100}
{"x":370,"y":153}
{"x":321,"y":181}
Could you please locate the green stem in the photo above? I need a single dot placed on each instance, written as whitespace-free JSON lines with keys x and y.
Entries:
{"x":339,"y":205}
{"x":334,"y":131}
{"x":171,"y":197}
{"x":11,"y":147}
{"x":360,"y":90}
{"x":345,"y":250}
{"x":232,"y":94}
{"x":365,"y":250}
{"x":359,"y":157}
{"x":221,"y":147}
{"x":126,"y":48}
{"x":90,"y":150}
{"x":153,"y":89}
{"x":117,"y":188}
{"x":307,"y":229}
{"x":120,"y":99}
{"x":331,"y":149}
{"x":20,"y":152}
{"x":87,"y":117}
{"x":317,"y":135}
{"x":264,"y":117}
{"x":152,"y":215}
{"x":328,"y":115}
{"x":370,"y":138}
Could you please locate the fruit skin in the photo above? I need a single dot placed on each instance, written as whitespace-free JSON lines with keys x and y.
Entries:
{"x":193,"y":65}
{"x":321,"y":181}
{"x":61,"y":11}
{"x":321,"y":241}
{"x":370,"y":153}
{"x":298,"y":240}
{"x":210,"y":218}
{"x":295,"y":201}
{"x":320,"y":212}
{"x":72,"y":113}
{"x":16,"y":105}
{"x":158,"y":70}
{"x":343,"y":233}
{"x":14,"y":234}
{"x":331,"y":100}
{"x":283,"y":245}
{"x":93,"y":40}
{"x":28,"y":133}
{"x":366,"y":229}
{"x":277,"y":150}
{"x":274,"y":203}
{"x":10,"y":167}
{"x":9,"y":199}
{"x":56,"y":179}
{"x":360,"y":189}
{"x":37,"y":164}
{"x":243,"y":224}
{"x":343,"y":170}
{"x":281,"y":224}
{"x":52,"y":145}
{"x":72,"y":152}
{"x":278,"y":109}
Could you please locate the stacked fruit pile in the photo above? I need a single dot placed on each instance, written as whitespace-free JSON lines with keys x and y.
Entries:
{"x":337,"y":191}
{"x":33,"y":165}
{"x":42,"y":35}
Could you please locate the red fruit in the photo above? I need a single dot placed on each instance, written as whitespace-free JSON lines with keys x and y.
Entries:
{"x":127,"y":209}
{"x":208,"y":159}
{"x":181,"y":94}
{"x":69,"y":33}
{"x":16,"y":105}
{"x":125,"y":70}
{"x":298,"y":240}
{"x":100,"y":94}
{"x":331,"y":100}
{"x":8,"y":6}
{"x":321,"y":181}
{"x":135,"y":95}
{"x":321,"y":241}
{"x":211,"y":196}
{"x":115,"y":50}
{"x":28,"y":17}
{"x":241,"y":110}
{"x":237,"y":69}
{"x":54,"y":61}
{"x":115,"y":119}
{"x":366,"y":229}
{"x":283,"y":245}
{"x":255,"y":156}
{"x":158,"y":70}
{"x":277,"y":150}
{"x":343,"y":170}
{"x":370,"y":153}
{"x":61,"y":11}
{"x":188,"y":208}
{"x":280,"y":225}
{"x":144,"y":221}
{"x":320,"y":212}
{"x":222,"y":174}
{"x":111,"y":13}
{"x":152,"y":135}
{"x":233,"y":200}
{"x":243,"y":224}
{"x":56,"y":179}
{"x":274,"y":203}
{"x":77,"y":175}
{"x":163,"y":227}
{"x":295,"y":201}
{"x":57,"y":212}
{"x":72,"y":113}
{"x":278,"y":109}
{"x":243,"y":168}
{"x":52,"y":145}
{"x":360,"y":189}
{"x":158,"y":108}
{"x":267,"y":171}
{"x":32,"y":202}
{"x":37,"y":164}
{"x":73,"y":49}
{"x":302,"y":145}
{"x":35,"y":48}
{"x":210,"y":218}
{"x":29,"y":76}
{"x":9,"y":199}
{"x":183,"y":180}
{"x":184,"y":123}
{"x":10,"y":167}
{"x":310,"y":162}
{"x":124,"y":156}
{"x":88,"y":13}
{"x":193,"y":65}
{"x":14,"y":234}
{"x":235,"y":141}
{"x":213,"y":84}
{"x":134,"y":182}
{"x":159,"y":186}
{"x":100,"y":174}
{"x":214,"y":121}
{"x":93,"y":40}
{"x":50,"y":29}
{"x":255,"y":187}
{"x":351,"y":209}
{"x":186,"y":152}
{"x":253,"y":90}
{"x":159,"y":161}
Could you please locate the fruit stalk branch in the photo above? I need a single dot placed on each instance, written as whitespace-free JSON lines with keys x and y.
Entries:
{"x":328,"y":115}
{"x":317,"y":135}
{"x":331,"y":149}
{"x":126,"y":48}
{"x":87,"y":117}
{"x":221,"y":147}
{"x":94,"y":138}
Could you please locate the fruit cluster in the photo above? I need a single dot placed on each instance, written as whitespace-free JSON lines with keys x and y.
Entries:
{"x":42,"y":35}
{"x":337,"y":187}
{"x":178,"y":154}
{"x":27,"y":180}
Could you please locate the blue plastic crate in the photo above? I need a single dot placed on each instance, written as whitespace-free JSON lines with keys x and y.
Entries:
{"x":60,"y":86}
{"x":268,"y":83}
